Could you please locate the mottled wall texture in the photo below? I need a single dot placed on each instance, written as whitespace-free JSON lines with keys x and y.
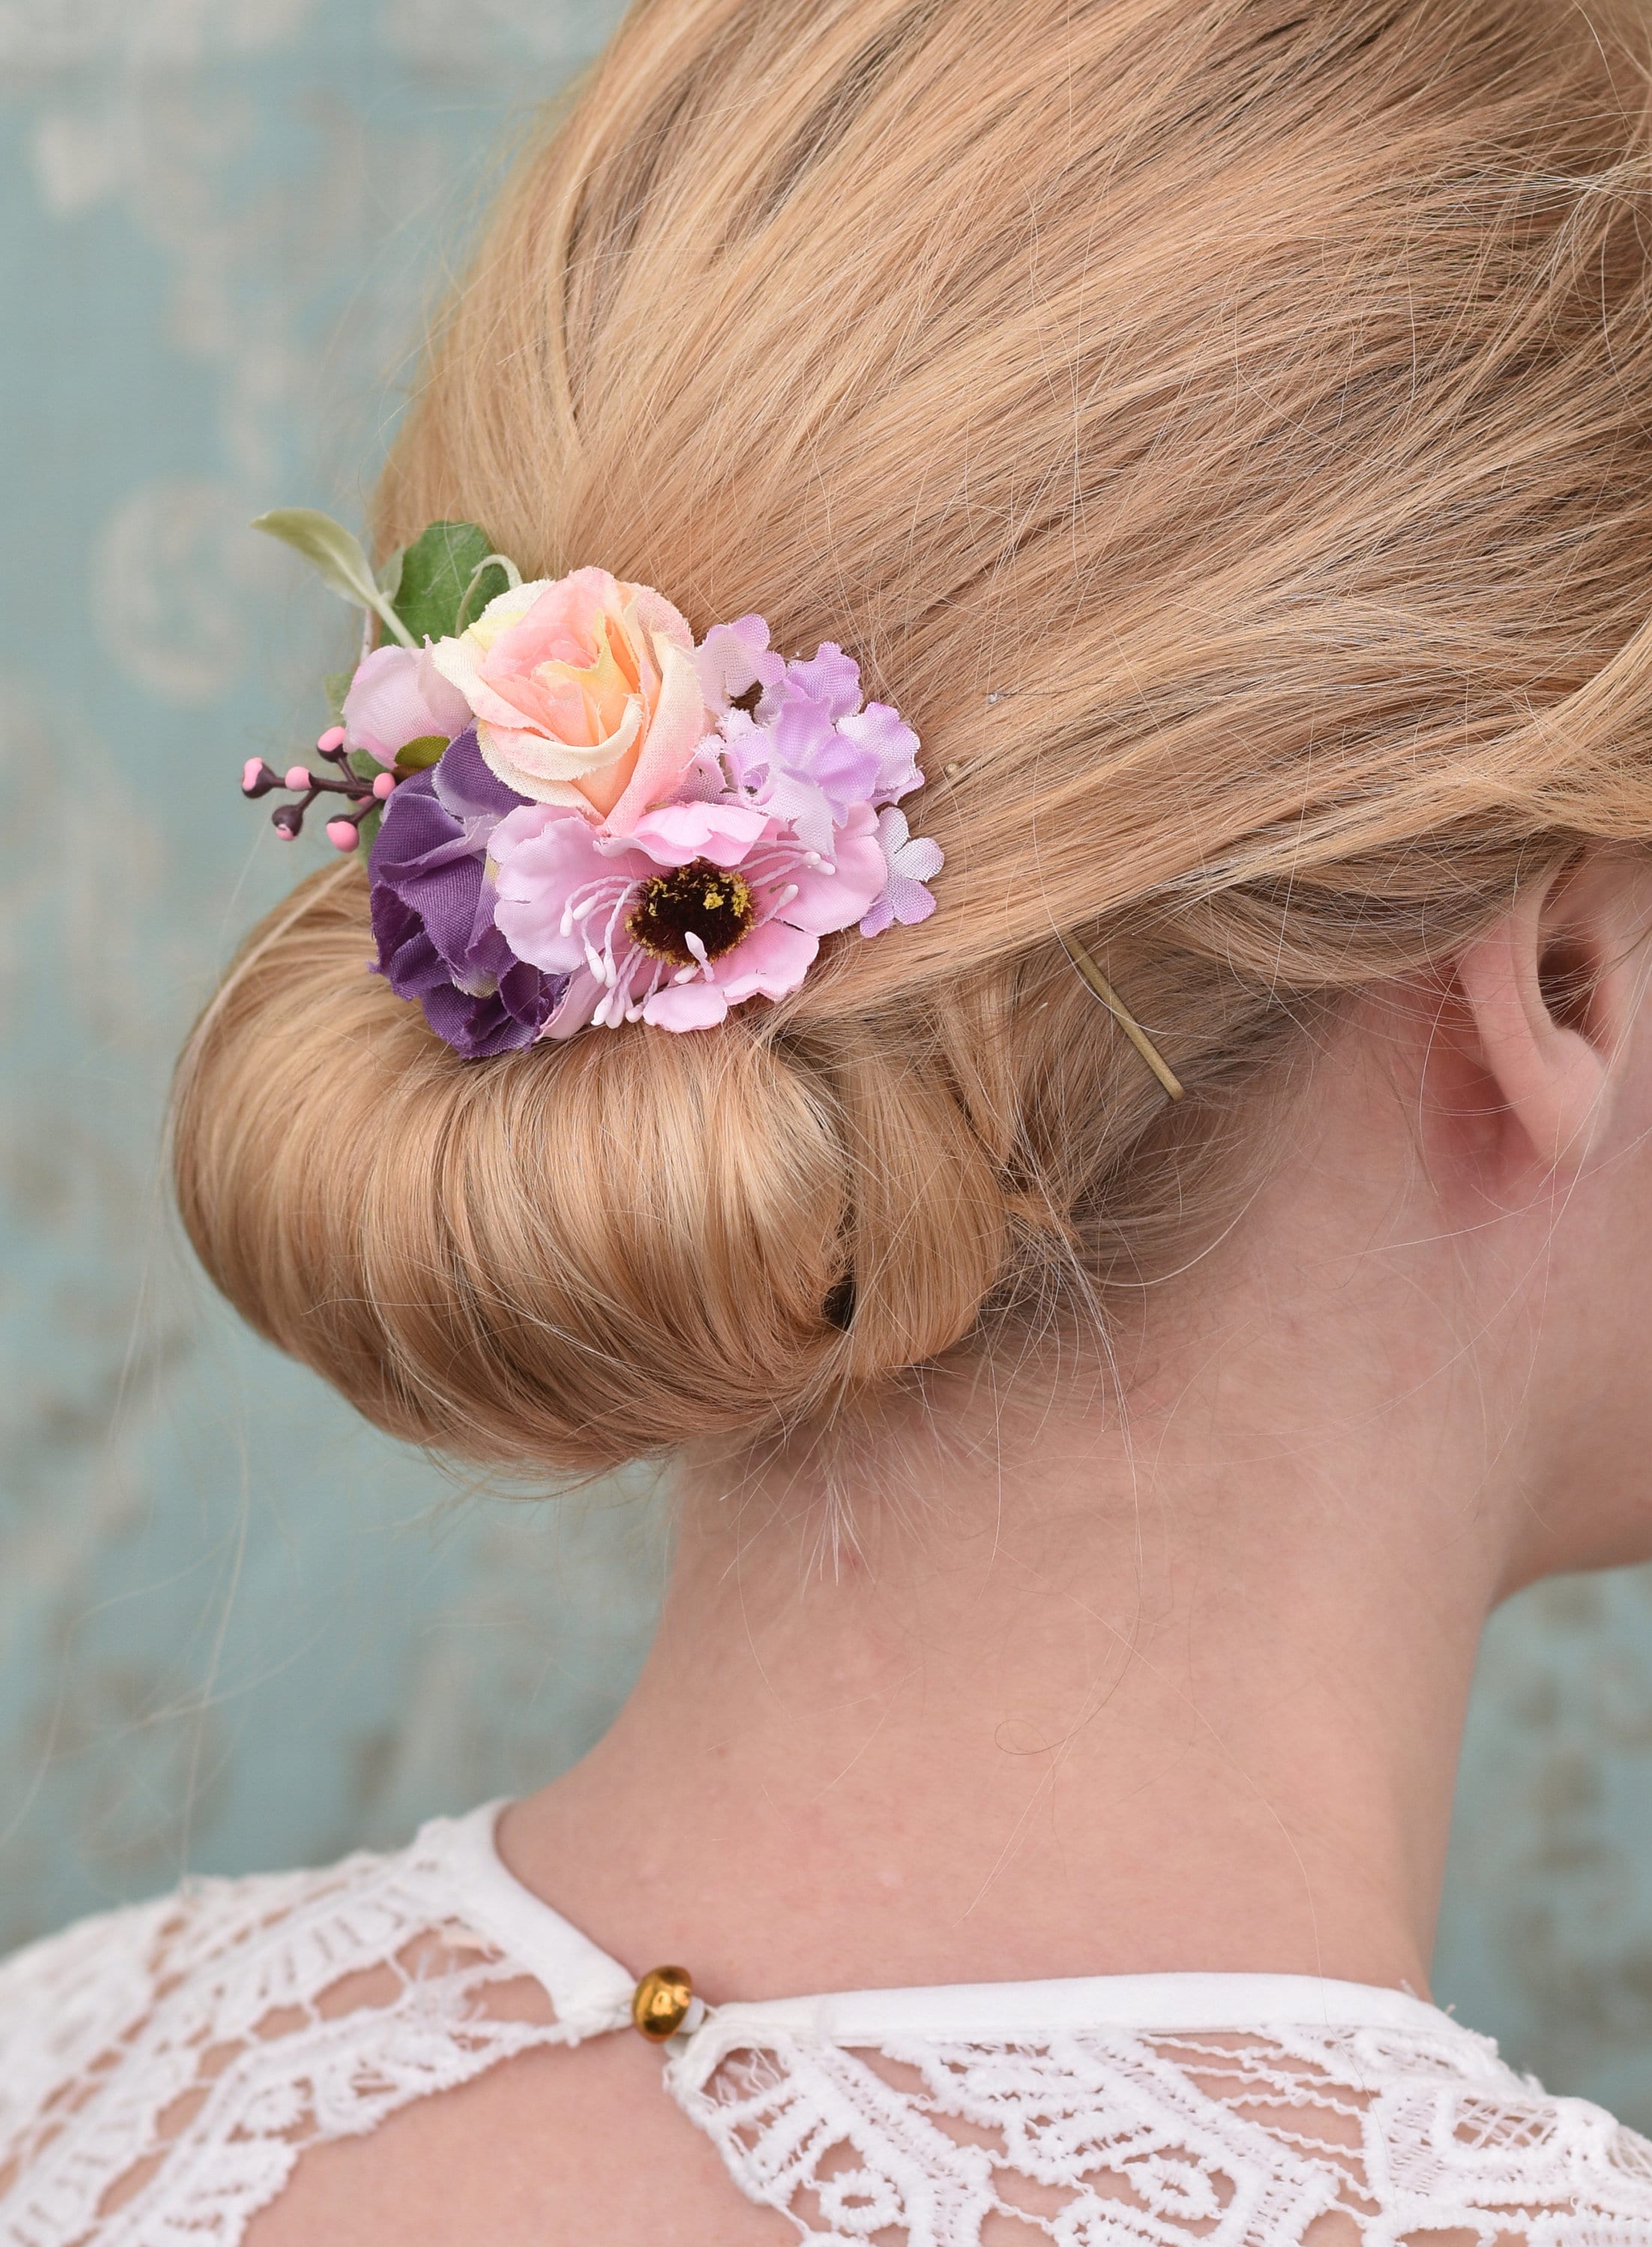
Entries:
{"x":235,"y":1628}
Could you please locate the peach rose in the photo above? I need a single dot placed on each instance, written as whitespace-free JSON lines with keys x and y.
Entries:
{"x":585,"y":692}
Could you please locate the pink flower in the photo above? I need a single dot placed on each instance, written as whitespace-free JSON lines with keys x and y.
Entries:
{"x":398,"y":697}
{"x":701,"y":906}
{"x":585,"y":693}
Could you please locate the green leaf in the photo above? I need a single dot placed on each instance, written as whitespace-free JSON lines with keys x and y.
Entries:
{"x":336,"y":554}
{"x":369,"y":827}
{"x":390,"y":572}
{"x":364,"y":764}
{"x":335,"y":686}
{"x":437,"y":571}
{"x":416,"y":755}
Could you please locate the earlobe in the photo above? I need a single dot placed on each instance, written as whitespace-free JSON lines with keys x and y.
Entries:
{"x":1549,"y":991}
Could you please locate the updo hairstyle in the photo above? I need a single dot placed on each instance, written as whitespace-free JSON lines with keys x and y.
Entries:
{"x":1225,"y":427}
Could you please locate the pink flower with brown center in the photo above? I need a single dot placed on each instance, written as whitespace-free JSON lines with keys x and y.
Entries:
{"x":701,"y":906}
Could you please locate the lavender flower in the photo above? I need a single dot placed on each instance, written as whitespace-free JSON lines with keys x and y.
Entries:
{"x":810,"y":751}
{"x":911,"y":860}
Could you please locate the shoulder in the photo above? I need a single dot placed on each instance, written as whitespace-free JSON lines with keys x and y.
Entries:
{"x":172,"y":2060}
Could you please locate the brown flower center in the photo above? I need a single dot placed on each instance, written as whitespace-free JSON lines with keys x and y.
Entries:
{"x":699,"y":900}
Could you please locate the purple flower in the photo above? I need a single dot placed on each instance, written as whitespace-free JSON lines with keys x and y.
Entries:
{"x":432,"y":903}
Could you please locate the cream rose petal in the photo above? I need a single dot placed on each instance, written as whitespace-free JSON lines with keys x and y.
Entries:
{"x":536,"y":766}
{"x":678,"y":726}
{"x":504,"y":609}
{"x":460,"y":657}
{"x":650,"y":613}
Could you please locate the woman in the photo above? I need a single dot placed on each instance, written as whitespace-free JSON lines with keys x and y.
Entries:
{"x":1116,"y":1333}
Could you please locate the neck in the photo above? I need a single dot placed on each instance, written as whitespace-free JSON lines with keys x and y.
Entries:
{"x":1084,"y":1698}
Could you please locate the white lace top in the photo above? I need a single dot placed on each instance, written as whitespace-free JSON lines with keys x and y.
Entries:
{"x":164,"y":2069}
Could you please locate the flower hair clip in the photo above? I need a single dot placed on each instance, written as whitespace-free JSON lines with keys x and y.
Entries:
{"x":577,"y":814}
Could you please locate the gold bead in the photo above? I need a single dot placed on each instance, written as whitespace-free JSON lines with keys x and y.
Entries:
{"x":660,"y":2002}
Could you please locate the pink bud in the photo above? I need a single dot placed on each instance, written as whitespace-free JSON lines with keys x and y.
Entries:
{"x":341,"y":833}
{"x":384,"y":785}
{"x":250,"y":773}
{"x":296,"y":777}
{"x":331,"y":740}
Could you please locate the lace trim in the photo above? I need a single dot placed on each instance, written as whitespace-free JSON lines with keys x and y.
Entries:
{"x":162,"y":2071}
{"x":1277,"y":2139}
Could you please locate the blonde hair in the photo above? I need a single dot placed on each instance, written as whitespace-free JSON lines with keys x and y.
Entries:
{"x":1223,"y":427}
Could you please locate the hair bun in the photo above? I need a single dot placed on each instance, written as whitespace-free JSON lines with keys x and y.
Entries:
{"x":575,"y":1255}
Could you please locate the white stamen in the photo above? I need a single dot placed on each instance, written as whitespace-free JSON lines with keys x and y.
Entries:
{"x":587,"y":899}
{"x":621,"y":1004}
{"x":614,"y":916}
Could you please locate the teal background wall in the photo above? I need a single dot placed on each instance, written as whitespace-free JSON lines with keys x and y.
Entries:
{"x":237,"y":1629}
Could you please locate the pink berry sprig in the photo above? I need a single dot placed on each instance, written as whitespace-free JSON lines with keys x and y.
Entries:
{"x":344,"y":829}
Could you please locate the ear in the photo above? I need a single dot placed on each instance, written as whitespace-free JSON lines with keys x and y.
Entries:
{"x":1551,"y":991}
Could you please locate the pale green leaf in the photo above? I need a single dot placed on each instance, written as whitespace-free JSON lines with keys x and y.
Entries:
{"x":335,"y":555}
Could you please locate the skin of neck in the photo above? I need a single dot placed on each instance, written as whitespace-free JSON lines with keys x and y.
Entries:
{"x":1156,"y":1658}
